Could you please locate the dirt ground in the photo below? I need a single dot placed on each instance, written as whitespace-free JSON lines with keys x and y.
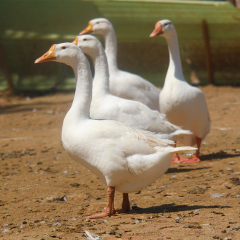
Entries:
{"x":46,"y":195}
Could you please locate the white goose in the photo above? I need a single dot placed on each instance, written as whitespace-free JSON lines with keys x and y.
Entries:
{"x":183,"y":104}
{"x":107,"y":106}
{"x":123,"y":84}
{"x":125,"y":159}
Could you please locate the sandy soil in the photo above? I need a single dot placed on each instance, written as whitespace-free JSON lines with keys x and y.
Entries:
{"x":45,"y":195}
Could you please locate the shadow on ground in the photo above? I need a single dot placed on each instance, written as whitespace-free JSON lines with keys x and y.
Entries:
{"x":168,"y":208}
{"x":181,"y":170}
{"x":218,"y":155}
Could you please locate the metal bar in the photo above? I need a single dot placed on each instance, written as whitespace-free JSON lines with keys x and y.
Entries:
{"x":208,"y":54}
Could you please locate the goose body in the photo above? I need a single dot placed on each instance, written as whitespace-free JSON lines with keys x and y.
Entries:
{"x":183,"y":104}
{"x":124,"y":158}
{"x":191,"y":112}
{"x":123,"y":84}
{"x":113,"y":154}
{"x":107,"y":106}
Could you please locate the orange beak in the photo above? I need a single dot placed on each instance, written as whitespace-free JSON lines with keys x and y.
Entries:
{"x":48,"y":56}
{"x":88,"y":29}
{"x":75,"y":41}
{"x":158,"y":30}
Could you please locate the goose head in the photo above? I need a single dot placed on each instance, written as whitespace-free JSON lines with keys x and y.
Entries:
{"x":97,"y":26}
{"x":164,"y":28}
{"x":63,"y":52}
{"x":88,"y":44}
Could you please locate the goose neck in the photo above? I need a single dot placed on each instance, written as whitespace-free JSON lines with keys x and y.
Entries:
{"x":111,"y":49}
{"x":175,"y":66}
{"x":101,"y":78}
{"x":80,"y":108}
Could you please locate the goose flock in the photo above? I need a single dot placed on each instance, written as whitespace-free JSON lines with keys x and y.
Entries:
{"x":122,"y":84}
{"x":123,"y":128}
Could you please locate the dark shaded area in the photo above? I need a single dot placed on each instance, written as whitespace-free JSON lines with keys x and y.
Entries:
{"x":218,"y":155}
{"x":168,"y":208}
{"x":25,"y":107}
{"x":180,"y":170}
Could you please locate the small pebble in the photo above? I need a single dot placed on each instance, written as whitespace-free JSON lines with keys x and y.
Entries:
{"x":216,"y":195}
{"x":49,"y":112}
{"x":5,"y":230}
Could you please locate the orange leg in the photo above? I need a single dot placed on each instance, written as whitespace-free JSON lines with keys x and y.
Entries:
{"x":125,"y":204}
{"x":110,"y":205}
{"x":196,"y":158}
{"x":176,"y":158}
{"x":110,"y":208}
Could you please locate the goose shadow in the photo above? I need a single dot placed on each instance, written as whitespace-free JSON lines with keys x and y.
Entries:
{"x":218,"y":155}
{"x":169,"y":208}
{"x":181,"y":170}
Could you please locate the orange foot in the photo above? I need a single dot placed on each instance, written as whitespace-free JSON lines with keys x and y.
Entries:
{"x":100,"y":215}
{"x":125,"y":204}
{"x":195,"y":159}
{"x":123,"y":210}
{"x":118,"y":211}
{"x":176,"y":158}
{"x":110,"y":206}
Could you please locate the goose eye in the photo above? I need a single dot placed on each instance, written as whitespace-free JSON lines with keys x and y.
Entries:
{"x":63,"y":47}
{"x":84,"y":39}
